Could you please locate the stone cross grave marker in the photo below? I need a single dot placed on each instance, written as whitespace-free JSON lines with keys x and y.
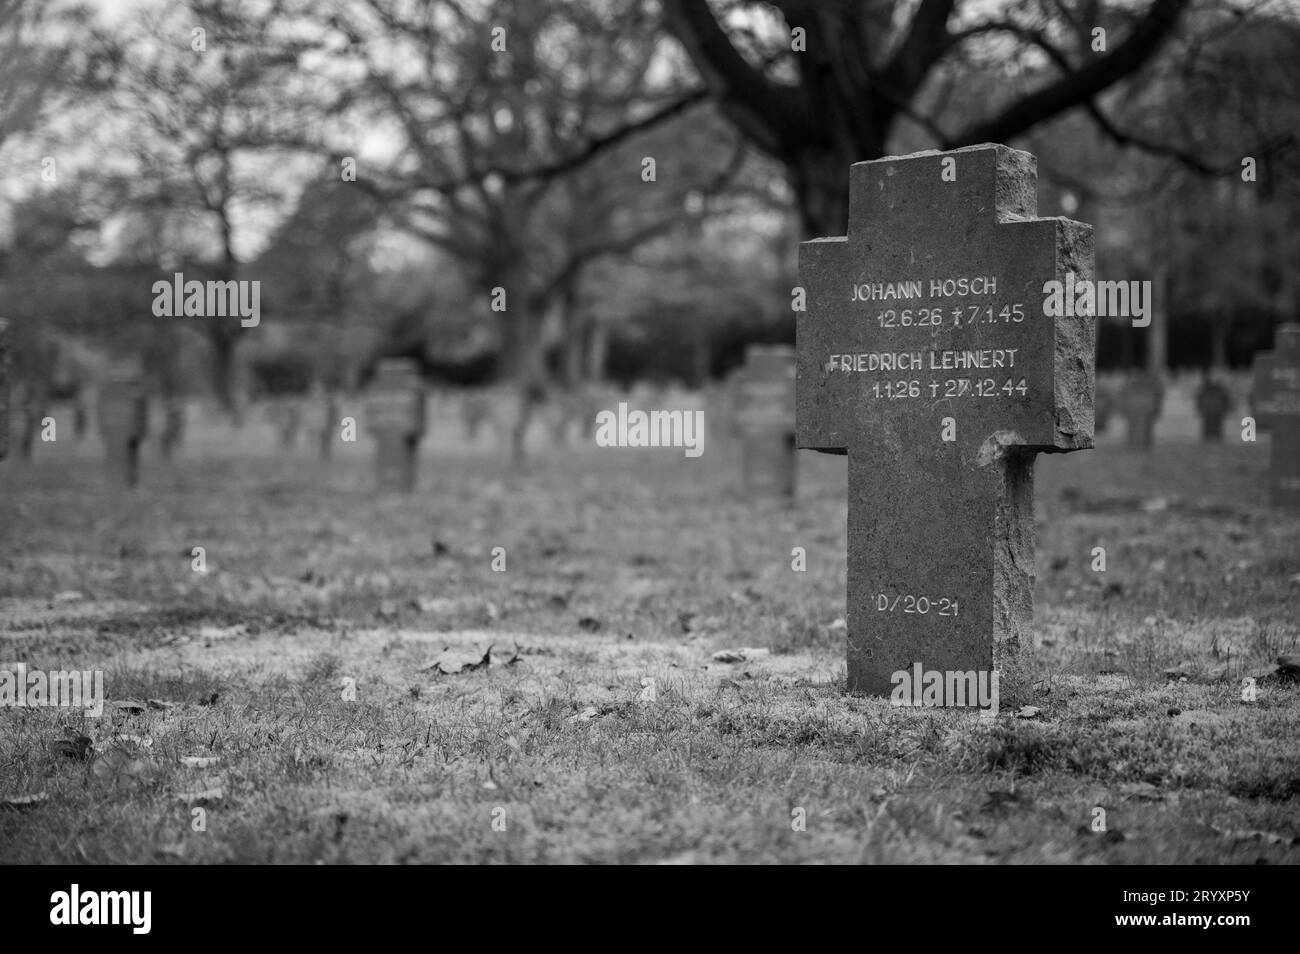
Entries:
{"x":476,"y":411}
{"x":123,"y":424}
{"x":285,"y":414}
{"x":396,"y":416}
{"x":764,"y":407}
{"x":1140,"y":400}
{"x":1213,"y":401}
{"x":928,"y":320}
{"x":1275,"y":402}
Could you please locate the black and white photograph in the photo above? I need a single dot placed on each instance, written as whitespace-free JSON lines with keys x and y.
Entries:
{"x":650,"y":432}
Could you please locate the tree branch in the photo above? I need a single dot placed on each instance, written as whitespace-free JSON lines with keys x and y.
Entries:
{"x":769,"y":113}
{"x":1077,"y":87}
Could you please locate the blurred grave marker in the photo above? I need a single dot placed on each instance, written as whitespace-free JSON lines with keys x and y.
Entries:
{"x":476,"y":410}
{"x":764,"y":408}
{"x":173,"y":429}
{"x":1140,"y":400}
{"x":1212,"y":405}
{"x":123,"y":424}
{"x":1275,"y":402}
{"x":285,"y":413}
{"x":396,"y":416}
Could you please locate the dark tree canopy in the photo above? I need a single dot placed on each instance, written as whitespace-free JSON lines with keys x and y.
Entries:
{"x":862,"y":73}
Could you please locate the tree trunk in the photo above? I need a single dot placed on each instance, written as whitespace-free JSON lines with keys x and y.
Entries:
{"x":574,"y":339}
{"x":34,"y":408}
{"x":223,"y":341}
{"x":821,"y":181}
{"x":1219,"y":330}
{"x":523,"y":363}
{"x":597,"y":350}
{"x":1158,"y":332}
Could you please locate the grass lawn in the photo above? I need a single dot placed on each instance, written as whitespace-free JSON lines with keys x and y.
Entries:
{"x":623,"y":567}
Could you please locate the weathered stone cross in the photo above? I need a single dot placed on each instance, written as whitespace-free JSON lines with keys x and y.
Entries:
{"x":926,"y":355}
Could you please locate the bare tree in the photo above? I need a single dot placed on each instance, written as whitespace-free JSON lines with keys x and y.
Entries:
{"x":522,"y":130}
{"x":864,"y":69}
{"x":38,"y":52}
{"x":209,"y":113}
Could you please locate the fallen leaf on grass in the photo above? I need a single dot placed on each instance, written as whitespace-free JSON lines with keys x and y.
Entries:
{"x":1254,"y":834}
{"x":199,"y":761}
{"x":129,"y":706}
{"x":222,"y":632}
{"x":457,"y":663}
{"x":1028,"y":712}
{"x":116,"y":766}
{"x":1142,"y":791}
{"x":1186,"y":672}
{"x":1000,"y":800}
{"x":212,"y":794}
{"x":67,"y":596}
{"x":161,"y":704}
{"x":745,"y":654}
{"x":74,"y":746}
{"x":1111,"y":836}
{"x":437,"y":605}
{"x":1201,"y":717}
{"x":21,"y":803}
{"x":1265,"y":673}
{"x":586,"y":715}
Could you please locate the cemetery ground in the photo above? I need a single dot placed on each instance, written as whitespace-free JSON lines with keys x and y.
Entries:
{"x":520,"y":696}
